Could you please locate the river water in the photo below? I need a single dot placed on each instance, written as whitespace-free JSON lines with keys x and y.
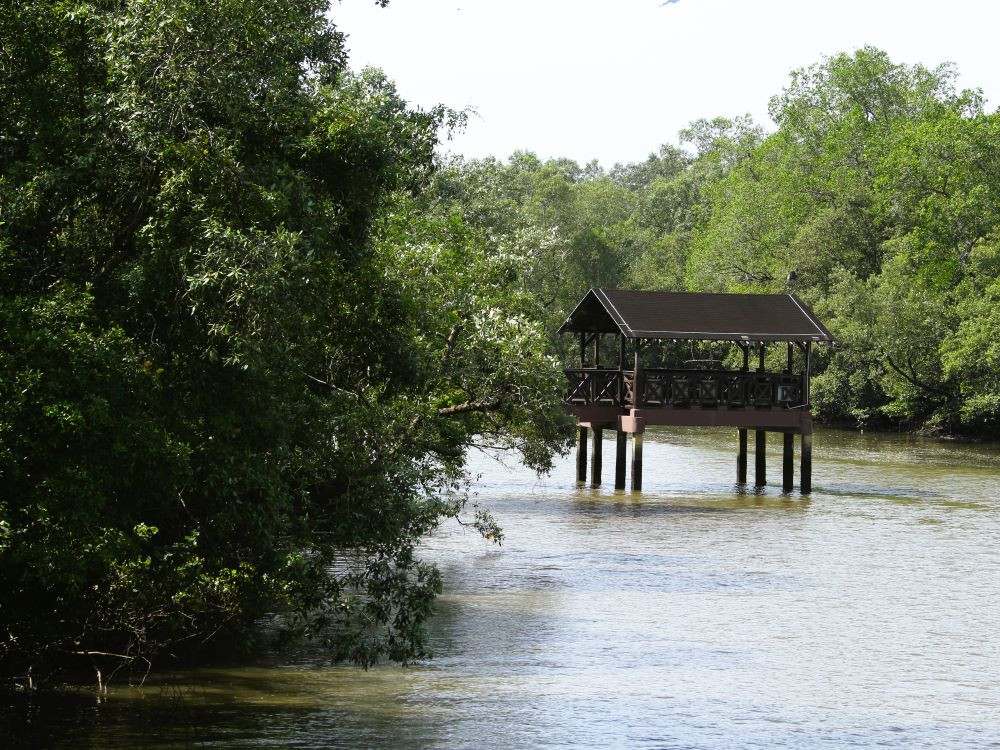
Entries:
{"x":693,"y":615}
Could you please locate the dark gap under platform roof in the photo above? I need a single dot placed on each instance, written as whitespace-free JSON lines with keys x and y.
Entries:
{"x":696,"y":316}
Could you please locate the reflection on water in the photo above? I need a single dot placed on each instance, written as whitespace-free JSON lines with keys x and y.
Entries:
{"x":695,"y":615}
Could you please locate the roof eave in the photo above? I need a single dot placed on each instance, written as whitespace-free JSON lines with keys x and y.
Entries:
{"x":736,"y":337}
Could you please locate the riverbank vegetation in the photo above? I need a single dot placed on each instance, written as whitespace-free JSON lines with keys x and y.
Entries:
{"x":876,"y":200}
{"x":240,"y":369}
{"x":253,"y":320}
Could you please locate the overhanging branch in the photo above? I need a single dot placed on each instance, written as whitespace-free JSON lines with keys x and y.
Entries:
{"x":469,"y":406}
{"x":913,"y":380}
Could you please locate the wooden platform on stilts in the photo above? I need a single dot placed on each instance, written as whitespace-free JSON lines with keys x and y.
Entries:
{"x":628,"y":399}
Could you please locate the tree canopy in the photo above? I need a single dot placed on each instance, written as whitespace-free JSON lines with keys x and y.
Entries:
{"x":241,"y":370}
{"x":875,"y":200}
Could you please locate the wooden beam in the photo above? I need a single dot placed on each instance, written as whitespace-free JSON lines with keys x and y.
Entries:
{"x":772,"y":420}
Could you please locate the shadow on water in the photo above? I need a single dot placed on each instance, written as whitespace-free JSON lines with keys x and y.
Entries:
{"x":640,"y":506}
{"x":338,"y":707}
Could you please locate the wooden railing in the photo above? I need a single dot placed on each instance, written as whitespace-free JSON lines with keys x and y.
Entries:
{"x":598,"y":386}
{"x":686,"y":389}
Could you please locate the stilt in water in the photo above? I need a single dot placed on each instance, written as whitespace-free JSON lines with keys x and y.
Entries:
{"x":741,"y":457}
{"x":636,"y":461}
{"x":621,"y":441}
{"x":596,"y":455}
{"x":760,"y":458}
{"x":787,"y":462}
{"x":581,"y":455}
{"x":805,"y":474}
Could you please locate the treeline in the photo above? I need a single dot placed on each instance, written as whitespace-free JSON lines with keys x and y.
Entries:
{"x":876,"y":200}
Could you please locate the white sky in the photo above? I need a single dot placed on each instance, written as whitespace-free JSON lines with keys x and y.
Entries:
{"x":613,"y":79}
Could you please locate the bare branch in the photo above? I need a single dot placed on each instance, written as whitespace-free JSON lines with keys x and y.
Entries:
{"x":912,"y":380}
{"x":481,"y":406}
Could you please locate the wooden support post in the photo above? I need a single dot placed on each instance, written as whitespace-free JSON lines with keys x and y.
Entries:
{"x":637,"y":386}
{"x":741,"y":457}
{"x":805,"y":473}
{"x":760,"y":459}
{"x":636,"y":461}
{"x":596,"y":450}
{"x":621,"y":440}
{"x":807,"y":396}
{"x":787,"y":462}
{"x":581,"y":455}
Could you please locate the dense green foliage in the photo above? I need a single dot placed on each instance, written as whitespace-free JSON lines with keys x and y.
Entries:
{"x":880,"y":190}
{"x":240,"y":372}
{"x":251,"y":326}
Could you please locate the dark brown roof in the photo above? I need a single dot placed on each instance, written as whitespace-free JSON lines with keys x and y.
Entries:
{"x":698,"y":316}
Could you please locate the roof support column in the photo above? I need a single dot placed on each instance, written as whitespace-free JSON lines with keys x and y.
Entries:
{"x":760,"y":448}
{"x":639,"y":386}
{"x":807,"y":395}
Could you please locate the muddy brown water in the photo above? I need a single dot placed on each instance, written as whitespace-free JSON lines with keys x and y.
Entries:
{"x":696,"y":614}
